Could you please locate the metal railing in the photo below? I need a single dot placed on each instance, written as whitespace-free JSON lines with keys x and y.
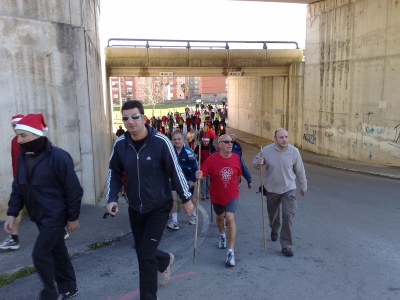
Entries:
{"x":188,"y":44}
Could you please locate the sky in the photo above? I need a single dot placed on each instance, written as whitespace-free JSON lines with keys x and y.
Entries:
{"x":224,"y":20}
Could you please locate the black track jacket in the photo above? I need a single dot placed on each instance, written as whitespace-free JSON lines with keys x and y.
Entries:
{"x":148,"y":172}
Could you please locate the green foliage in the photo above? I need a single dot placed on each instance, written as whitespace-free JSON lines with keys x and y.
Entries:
{"x":98,"y":245}
{"x":161,"y":109}
{"x":26,"y":271}
{"x":10,"y":278}
{"x":24,"y":212}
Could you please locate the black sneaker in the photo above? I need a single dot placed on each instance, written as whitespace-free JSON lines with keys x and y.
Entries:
{"x":287,"y":252}
{"x":69,"y":294}
{"x":274,"y":236}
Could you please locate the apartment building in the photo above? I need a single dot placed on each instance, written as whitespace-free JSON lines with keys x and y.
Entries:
{"x":167,"y":88}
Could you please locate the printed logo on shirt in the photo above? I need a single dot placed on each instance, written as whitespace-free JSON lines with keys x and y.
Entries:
{"x":226,"y":175}
{"x":148,"y":158}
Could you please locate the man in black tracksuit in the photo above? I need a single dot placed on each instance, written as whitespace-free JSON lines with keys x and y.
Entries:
{"x":149,"y":161}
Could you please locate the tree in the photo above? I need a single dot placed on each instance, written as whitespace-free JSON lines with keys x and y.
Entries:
{"x":153,"y":92}
{"x":184,"y":88}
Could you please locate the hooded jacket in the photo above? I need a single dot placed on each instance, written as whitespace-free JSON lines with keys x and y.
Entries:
{"x":148,"y":172}
{"x":52,"y":192}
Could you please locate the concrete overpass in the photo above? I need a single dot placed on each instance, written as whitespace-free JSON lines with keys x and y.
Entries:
{"x":141,"y":57}
{"x":342,"y":101}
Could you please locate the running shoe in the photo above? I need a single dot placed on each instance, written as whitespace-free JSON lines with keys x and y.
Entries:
{"x":173,"y":225}
{"x":222,"y":242}
{"x":230,"y":259}
{"x":9,"y":243}
{"x":165,"y":276}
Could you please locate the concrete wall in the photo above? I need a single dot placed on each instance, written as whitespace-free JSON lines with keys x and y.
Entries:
{"x":352,"y":76}
{"x":50,"y":60}
{"x":344,"y":100}
{"x":257,"y":105}
{"x":260,"y":105}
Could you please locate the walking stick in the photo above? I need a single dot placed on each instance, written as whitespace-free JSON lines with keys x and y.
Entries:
{"x":197,"y":209}
{"x":211,"y":212}
{"x":262,"y":206}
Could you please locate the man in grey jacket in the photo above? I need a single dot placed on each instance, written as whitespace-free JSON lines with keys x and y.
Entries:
{"x":283,"y":164}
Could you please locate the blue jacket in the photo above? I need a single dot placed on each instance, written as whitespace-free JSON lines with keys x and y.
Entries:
{"x":148,"y":172}
{"x":52,"y":194}
{"x":245,"y":171}
{"x":188,"y":162}
{"x":236,"y":148}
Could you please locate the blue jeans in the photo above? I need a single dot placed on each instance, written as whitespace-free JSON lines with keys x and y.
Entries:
{"x":147,"y":230}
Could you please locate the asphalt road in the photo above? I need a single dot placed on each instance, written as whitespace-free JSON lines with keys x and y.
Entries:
{"x":346,"y":246}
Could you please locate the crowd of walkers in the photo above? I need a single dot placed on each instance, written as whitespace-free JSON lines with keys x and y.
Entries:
{"x":212,"y":118}
{"x":149,"y":151}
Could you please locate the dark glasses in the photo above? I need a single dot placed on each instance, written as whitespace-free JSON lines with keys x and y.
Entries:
{"x":226,"y":142}
{"x":133,"y":117}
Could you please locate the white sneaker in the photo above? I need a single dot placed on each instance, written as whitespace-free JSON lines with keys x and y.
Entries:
{"x":222,"y":242}
{"x":192,"y":220}
{"x":173,"y":225}
{"x":9,"y":243}
{"x":230,"y":259}
{"x":163,"y":278}
{"x":66,"y":234}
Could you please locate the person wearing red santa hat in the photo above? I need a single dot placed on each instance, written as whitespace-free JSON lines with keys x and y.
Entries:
{"x":48,"y":186}
{"x":12,"y":241}
{"x":206,"y":150}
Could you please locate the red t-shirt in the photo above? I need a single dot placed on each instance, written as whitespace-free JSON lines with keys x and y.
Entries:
{"x":211,"y":133}
{"x":224,"y":174}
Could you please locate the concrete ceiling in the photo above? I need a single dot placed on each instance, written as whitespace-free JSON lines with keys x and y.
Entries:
{"x":286,"y":1}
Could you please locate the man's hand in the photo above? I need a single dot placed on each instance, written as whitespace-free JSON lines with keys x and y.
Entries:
{"x":260,"y":160}
{"x":188,"y":208}
{"x":303,"y":192}
{"x":72,"y":226}
{"x":9,"y":224}
{"x":249,"y":185}
{"x":199,"y":175}
{"x":112,"y":208}
{"x":192,"y":184}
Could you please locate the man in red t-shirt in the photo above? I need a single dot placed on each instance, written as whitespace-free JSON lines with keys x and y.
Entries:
{"x":224,"y":170}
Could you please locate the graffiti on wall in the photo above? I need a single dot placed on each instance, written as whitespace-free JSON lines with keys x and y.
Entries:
{"x":370,"y":130}
{"x":397,"y":135}
{"x":396,"y":140}
{"x":310,"y":137}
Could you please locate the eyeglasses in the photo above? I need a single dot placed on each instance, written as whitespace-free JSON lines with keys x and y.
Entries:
{"x":133,"y":117}
{"x":226,"y":142}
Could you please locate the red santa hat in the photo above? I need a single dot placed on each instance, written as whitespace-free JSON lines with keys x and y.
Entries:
{"x":16,"y":118}
{"x":33,"y":123}
{"x":206,"y":137}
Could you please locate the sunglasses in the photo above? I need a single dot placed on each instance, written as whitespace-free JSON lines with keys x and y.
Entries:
{"x":226,"y":142}
{"x":133,"y":117}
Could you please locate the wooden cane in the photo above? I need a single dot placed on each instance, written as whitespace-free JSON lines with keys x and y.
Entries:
{"x":211,"y":212}
{"x":197,"y":209}
{"x":262,"y":205}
